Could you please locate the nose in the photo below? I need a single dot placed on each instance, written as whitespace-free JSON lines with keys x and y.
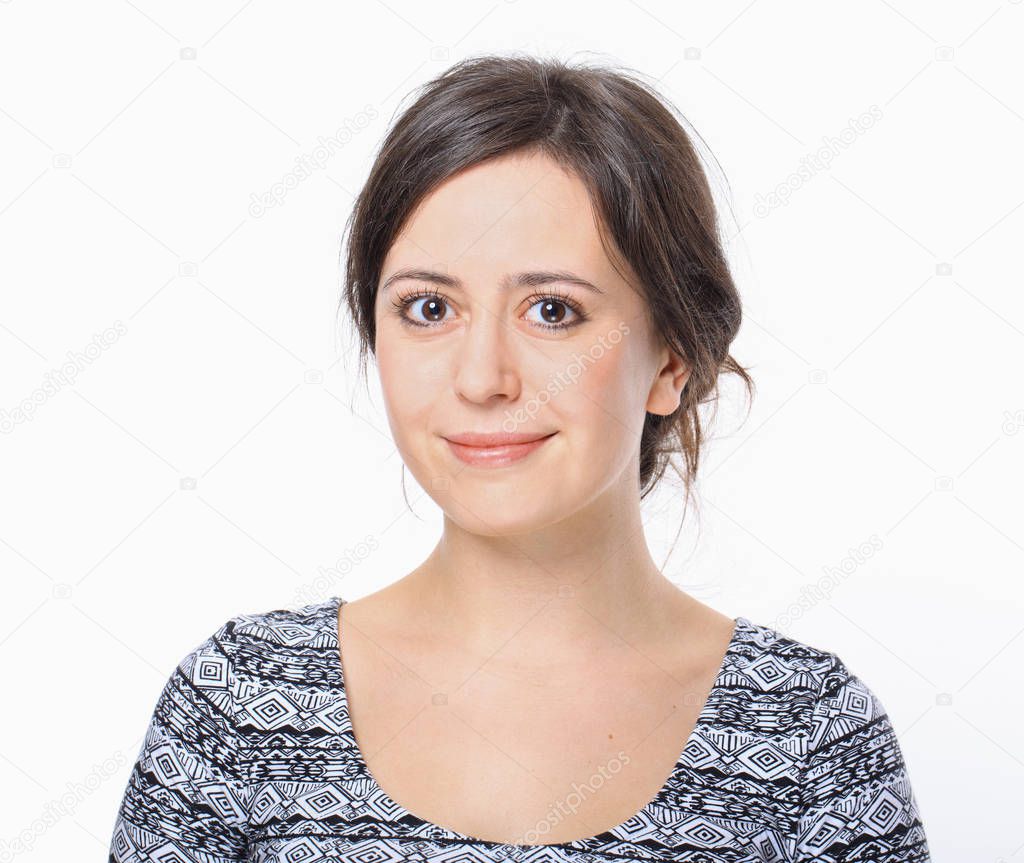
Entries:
{"x":485,"y":360}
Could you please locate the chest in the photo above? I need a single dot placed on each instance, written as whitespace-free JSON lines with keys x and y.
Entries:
{"x":509,"y":757}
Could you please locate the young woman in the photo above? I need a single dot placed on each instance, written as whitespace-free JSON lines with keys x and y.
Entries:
{"x":534,"y":263}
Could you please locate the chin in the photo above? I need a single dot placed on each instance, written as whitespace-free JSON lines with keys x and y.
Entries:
{"x":504,"y":511}
{"x":505,"y":528}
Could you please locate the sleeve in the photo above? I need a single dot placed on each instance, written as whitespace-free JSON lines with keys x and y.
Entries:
{"x":185,"y":796}
{"x":856,"y":799}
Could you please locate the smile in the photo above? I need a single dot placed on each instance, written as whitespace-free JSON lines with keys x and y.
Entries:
{"x":495,"y":456}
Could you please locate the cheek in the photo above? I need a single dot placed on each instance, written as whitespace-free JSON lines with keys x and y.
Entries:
{"x":407,"y":397}
{"x":608,"y":407}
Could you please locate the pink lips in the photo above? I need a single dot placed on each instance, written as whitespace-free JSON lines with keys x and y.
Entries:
{"x":495,"y":450}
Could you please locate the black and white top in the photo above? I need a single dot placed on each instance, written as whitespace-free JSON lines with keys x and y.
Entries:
{"x":250,"y":756}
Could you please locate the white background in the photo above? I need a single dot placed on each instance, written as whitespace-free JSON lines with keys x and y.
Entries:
{"x":218,"y":455}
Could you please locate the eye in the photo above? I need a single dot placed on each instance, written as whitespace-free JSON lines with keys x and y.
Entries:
{"x":554,"y":309}
{"x":429,"y":303}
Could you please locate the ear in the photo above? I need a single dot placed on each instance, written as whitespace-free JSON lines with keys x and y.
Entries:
{"x":673,"y":373}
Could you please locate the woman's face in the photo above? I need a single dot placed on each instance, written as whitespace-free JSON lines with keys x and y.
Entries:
{"x":505,"y":341}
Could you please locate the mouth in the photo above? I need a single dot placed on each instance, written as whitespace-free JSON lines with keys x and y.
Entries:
{"x":495,"y":450}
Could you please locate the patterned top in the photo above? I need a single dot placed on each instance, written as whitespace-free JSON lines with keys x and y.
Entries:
{"x":250,"y":756}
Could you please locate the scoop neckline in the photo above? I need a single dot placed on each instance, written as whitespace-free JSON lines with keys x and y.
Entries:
{"x":620,"y":831}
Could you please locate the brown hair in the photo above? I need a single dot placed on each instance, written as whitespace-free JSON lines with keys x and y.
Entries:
{"x":619,"y":137}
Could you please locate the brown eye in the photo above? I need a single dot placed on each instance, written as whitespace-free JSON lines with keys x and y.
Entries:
{"x":553,"y":313}
{"x":431,"y":306}
{"x":433,"y":309}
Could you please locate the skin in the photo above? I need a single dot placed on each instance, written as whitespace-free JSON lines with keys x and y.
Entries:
{"x":540,"y":614}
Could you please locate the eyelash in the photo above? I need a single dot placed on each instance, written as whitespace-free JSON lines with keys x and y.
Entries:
{"x":401,"y":303}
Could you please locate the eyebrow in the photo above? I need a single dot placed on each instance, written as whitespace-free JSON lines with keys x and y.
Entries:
{"x":528,"y":279}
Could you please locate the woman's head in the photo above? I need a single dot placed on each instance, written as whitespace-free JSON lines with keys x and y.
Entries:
{"x":508,"y":185}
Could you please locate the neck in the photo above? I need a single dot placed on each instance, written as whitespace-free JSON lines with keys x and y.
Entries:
{"x":578,"y":586}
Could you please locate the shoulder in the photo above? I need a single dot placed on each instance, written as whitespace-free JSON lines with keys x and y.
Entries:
{"x":255,"y":666}
{"x":764,"y":660}
{"x":842,"y":730}
{"x":272,"y":629}
{"x":828,"y":701}
{"x":853,"y":790}
{"x":248,"y":643}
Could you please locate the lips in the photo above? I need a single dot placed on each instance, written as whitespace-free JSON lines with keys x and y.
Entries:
{"x":495,"y":450}
{"x":495,"y":439}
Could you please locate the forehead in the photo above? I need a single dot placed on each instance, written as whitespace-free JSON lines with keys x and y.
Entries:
{"x":513,"y":212}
